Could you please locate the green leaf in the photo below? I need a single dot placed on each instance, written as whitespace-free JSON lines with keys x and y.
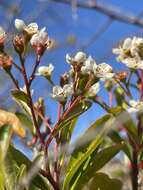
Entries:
{"x":5,"y":138}
{"x":103,"y":182}
{"x":39,"y":181}
{"x":83,"y":152}
{"x":25,"y":120}
{"x":11,"y":172}
{"x":130,"y":126}
{"x":115,"y":110}
{"x":96,"y":163}
{"x":2,"y":173}
{"x":20,"y":95}
{"x":21,"y":172}
{"x":21,"y":99}
{"x":67,"y":130}
{"x":76,"y":111}
{"x":115,"y":137}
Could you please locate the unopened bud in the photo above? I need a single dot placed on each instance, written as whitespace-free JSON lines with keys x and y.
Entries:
{"x":6,"y":61}
{"x":2,"y":38}
{"x":18,"y":43}
{"x":64,"y":79}
{"x":121,"y":75}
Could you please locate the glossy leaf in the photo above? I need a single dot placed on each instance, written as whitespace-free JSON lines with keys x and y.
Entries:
{"x":39,"y":181}
{"x":96,"y":163}
{"x":81,"y":153}
{"x":67,"y":130}
{"x":103,"y":182}
{"x":114,"y":135}
{"x":20,"y":95}
{"x":77,"y":110}
{"x":2,"y":173}
{"x":25,"y":120}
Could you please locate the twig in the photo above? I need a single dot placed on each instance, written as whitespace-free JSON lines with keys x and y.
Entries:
{"x":110,"y":11}
{"x":17,"y":67}
{"x":12,"y":78}
{"x":34,"y":70}
{"x":30,"y":99}
{"x":62,"y":118}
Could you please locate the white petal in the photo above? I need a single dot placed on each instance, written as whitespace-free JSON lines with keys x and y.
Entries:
{"x":19,"y":25}
{"x":33,"y":26}
{"x":68,"y":58}
{"x":80,"y":57}
{"x":68,"y":89}
{"x":127,"y":43}
{"x":94,"y":89}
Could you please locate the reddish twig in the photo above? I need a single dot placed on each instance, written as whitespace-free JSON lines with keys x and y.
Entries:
{"x":34,"y":70}
{"x":22,"y":60}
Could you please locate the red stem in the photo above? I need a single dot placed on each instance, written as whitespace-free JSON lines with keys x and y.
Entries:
{"x":22,"y":60}
{"x":61,"y":119}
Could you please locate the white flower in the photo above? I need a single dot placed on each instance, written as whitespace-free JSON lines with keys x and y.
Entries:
{"x":45,"y":71}
{"x":88,"y":66}
{"x":68,"y":89}
{"x":79,"y":57}
{"x":60,"y":94}
{"x":130,"y":52}
{"x":57,"y":93}
{"x":31,"y":29}
{"x":93,"y":90}
{"x":104,"y":70}
{"x":133,"y":63}
{"x":41,"y":38}
{"x":136,"y":106}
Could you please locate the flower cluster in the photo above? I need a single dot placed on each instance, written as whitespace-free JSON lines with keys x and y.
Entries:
{"x":29,"y":29}
{"x":131,"y":53}
{"x":88,"y":65}
{"x":61,"y":93}
{"x":83,"y":67}
{"x":39,"y":39}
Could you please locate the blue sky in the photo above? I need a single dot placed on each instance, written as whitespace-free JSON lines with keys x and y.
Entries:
{"x":60,"y":23}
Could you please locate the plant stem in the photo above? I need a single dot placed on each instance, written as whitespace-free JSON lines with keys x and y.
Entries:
{"x":50,"y":178}
{"x":22,"y":60}
{"x":134,"y":171}
{"x":12,"y":78}
{"x":61,"y":119}
{"x":34,"y":70}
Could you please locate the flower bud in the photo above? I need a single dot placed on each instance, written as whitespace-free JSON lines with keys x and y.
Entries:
{"x":6,"y":61}
{"x":18,"y":43}
{"x":2,"y":38}
{"x":121,"y":75}
{"x":19,"y":25}
{"x":40,"y":42}
{"x":64,"y":79}
{"x":79,"y":58}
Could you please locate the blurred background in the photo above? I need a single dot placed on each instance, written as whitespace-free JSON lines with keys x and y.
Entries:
{"x":94,"y":26}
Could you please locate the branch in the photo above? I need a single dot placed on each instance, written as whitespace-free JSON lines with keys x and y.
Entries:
{"x":108,"y":10}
